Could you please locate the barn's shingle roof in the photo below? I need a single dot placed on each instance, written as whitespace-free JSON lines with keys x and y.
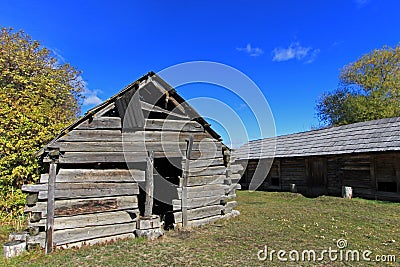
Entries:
{"x":370,"y":136}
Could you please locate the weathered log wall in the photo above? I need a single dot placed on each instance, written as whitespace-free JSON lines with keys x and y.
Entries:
{"x":96,"y":194}
{"x":211,"y":187}
{"x":371,"y":175}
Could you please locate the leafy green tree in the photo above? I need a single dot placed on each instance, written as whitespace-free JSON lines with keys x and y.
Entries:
{"x":38,"y":97}
{"x":369,"y":89}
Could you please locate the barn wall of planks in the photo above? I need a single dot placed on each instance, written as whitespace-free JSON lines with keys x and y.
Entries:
{"x":363,"y":155}
{"x":101,"y":168}
{"x":371,"y":175}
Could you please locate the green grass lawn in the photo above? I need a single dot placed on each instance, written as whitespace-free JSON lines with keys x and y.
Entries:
{"x":282,"y":221}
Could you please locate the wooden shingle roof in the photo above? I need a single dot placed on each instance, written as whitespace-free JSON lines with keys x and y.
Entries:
{"x":370,"y":136}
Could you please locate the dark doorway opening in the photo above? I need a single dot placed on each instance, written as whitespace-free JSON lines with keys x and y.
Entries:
{"x":166,"y":181}
{"x":316,"y":180}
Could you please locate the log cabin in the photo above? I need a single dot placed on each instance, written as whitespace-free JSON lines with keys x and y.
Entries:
{"x":364,"y":156}
{"x":144,"y":159}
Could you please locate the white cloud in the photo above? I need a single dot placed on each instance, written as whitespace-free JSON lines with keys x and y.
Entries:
{"x":313,"y":55}
{"x":57,"y":54}
{"x":91,"y":98}
{"x":295,"y":51}
{"x":252,"y":51}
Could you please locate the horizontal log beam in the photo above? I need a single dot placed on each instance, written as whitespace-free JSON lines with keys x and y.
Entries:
{"x":117,"y":136}
{"x":173,"y":125}
{"x":72,"y":207}
{"x":68,"y":236}
{"x":100,"y":123}
{"x":95,"y":219}
{"x":199,"y":163}
{"x":205,"y":145}
{"x":96,"y":175}
{"x":204,"y":180}
{"x":204,"y":191}
{"x":120,"y":157}
{"x":83,"y":190}
{"x":199,"y":213}
{"x":199,"y":202}
{"x":214,"y":170}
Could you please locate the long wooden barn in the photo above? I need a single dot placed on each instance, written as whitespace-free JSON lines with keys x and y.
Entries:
{"x":364,"y":156}
{"x":144,"y":159}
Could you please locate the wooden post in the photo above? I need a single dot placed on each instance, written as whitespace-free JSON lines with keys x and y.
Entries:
{"x":50,"y":200}
{"x":325,"y":170}
{"x":149,"y":185}
{"x":396,"y":161}
{"x":184,"y":182}
{"x":279,"y":173}
{"x":374,"y":183}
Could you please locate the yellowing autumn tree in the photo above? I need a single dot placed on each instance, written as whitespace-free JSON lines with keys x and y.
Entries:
{"x":38,"y":97}
{"x":369,"y":89}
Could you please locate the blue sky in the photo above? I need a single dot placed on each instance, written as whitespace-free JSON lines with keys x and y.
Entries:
{"x":293,"y":50}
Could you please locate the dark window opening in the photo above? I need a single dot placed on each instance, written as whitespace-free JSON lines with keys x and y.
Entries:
{"x":105,"y":165}
{"x":156,"y":115}
{"x":387,"y":187}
